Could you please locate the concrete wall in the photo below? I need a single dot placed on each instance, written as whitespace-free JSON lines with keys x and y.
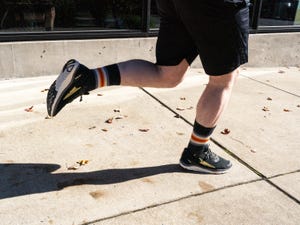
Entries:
{"x":24,"y":59}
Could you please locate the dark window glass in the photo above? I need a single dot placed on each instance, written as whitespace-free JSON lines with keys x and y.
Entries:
{"x":280,"y":13}
{"x":154,"y":17}
{"x":63,"y":15}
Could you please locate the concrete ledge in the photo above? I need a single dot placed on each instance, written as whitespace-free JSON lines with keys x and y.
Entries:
{"x":27,"y":59}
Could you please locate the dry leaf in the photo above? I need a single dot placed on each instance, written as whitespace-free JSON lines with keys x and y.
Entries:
{"x":93,"y":127}
{"x":179,"y":133}
{"x":281,"y":71}
{"x":74,"y":167}
{"x":189,"y":108}
{"x":99,"y":94}
{"x":298,"y":106}
{"x":83,"y":162}
{"x":286,"y":110}
{"x":269,"y":99}
{"x":177,"y":116}
{"x":180,"y":109}
{"x":116,"y":110}
{"x":266,"y":109}
{"x":182,"y":98}
{"x":104,"y":130}
{"x":120,"y":117}
{"x":46,"y":89}
{"x":144,"y":130}
{"x":225,"y":131}
{"x":48,"y":117}
{"x":253,"y":151}
{"x":110,"y":120}
{"x":30,"y":109}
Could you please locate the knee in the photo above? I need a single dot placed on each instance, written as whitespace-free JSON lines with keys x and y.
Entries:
{"x":172,"y":76}
{"x":225,"y":81}
{"x":171,"y":79}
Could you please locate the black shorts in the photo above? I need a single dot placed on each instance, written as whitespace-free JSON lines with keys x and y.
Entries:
{"x":216,"y":30}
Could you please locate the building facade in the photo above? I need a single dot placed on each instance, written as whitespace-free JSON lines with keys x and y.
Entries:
{"x":23,"y":20}
{"x":37,"y":37}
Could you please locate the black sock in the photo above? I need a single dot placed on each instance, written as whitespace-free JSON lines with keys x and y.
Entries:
{"x":100,"y":77}
{"x":200,"y":136}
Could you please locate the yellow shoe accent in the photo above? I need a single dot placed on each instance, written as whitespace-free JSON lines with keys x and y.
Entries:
{"x":73,"y":91}
{"x":202,"y":162}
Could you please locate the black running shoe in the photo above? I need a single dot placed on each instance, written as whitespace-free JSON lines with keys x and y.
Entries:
{"x":203,"y":160}
{"x":69,"y":85}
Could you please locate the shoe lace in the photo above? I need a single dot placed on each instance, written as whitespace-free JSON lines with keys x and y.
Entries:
{"x":83,"y":93}
{"x":209,"y":155}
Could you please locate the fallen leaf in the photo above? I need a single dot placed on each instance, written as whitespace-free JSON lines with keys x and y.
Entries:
{"x":116,"y":110}
{"x":120,"y":117}
{"x":83,"y":162}
{"x":48,"y":117}
{"x":266,"y":109}
{"x":180,"y":109}
{"x":30,"y":109}
{"x":93,"y":127}
{"x":177,"y":116}
{"x":281,"y":71}
{"x":298,"y":106}
{"x":180,"y":133}
{"x":253,"y":151}
{"x":286,"y":110}
{"x":104,"y":130}
{"x":269,"y":99}
{"x":225,"y":131}
{"x":46,"y":89}
{"x":110,"y":120}
{"x":74,"y":167}
{"x":99,"y":94}
{"x":182,"y":98}
{"x":144,"y":130}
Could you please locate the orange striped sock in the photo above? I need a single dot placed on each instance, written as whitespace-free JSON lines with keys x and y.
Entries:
{"x":107,"y":76}
{"x":101,"y":77}
{"x":200,"y":136}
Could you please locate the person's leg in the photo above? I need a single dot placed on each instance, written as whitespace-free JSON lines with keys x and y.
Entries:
{"x":215,"y":98}
{"x":76,"y":79}
{"x":142,"y":73}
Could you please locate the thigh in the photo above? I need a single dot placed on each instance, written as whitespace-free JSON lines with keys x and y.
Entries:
{"x":174,"y":42}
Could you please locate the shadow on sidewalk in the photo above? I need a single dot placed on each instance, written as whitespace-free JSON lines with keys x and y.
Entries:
{"x":25,"y":179}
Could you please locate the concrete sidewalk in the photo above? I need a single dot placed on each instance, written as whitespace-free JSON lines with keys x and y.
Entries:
{"x":132,"y":174}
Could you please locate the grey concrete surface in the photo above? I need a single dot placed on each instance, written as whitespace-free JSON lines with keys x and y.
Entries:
{"x":133,"y":177}
{"x":222,"y":207}
{"x":39,"y":58}
{"x":290,"y":183}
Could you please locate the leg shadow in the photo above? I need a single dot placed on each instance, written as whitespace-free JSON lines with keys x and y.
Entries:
{"x":25,"y":179}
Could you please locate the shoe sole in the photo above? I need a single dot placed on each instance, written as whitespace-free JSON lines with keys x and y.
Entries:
{"x":201,"y":170}
{"x":63,"y":82}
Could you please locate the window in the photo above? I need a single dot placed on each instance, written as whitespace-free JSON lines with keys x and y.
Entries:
{"x":78,"y":19}
{"x":280,"y":13}
{"x":64,"y":15}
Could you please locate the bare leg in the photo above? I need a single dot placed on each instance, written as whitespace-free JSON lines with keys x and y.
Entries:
{"x":215,"y":98}
{"x":140,"y":73}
